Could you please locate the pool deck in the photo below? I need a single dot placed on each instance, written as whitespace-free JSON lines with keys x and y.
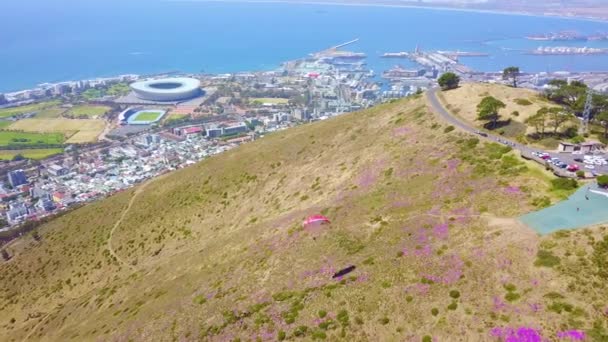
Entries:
{"x":586,"y":207}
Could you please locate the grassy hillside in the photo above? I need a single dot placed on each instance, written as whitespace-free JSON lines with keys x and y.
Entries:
{"x":520,"y":105}
{"x":217,"y":252}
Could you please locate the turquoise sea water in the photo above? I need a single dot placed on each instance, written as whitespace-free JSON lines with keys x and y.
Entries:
{"x":57,"y":40}
{"x":564,"y":215}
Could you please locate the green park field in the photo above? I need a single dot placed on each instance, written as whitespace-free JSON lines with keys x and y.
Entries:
{"x":78,"y":130}
{"x":5,"y":124}
{"x":88,"y":110}
{"x":8,"y":138}
{"x":6,"y":112}
{"x":36,"y":154}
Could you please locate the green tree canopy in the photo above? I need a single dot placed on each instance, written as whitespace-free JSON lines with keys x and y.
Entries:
{"x":602,"y":181}
{"x":449,"y":80}
{"x":572,"y":95}
{"x":512,"y":73}
{"x":488,"y":110}
{"x":557,"y":117}
{"x":602,"y":119}
{"x":538,"y":121}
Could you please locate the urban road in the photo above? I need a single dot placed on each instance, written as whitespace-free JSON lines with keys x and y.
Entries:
{"x":567,"y":158}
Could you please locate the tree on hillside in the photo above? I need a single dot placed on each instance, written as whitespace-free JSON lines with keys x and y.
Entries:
{"x":572,"y":95}
{"x":5,"y":255}
{"x":538,"y":121}
{"x":448,"y":81}
{"x":602,"y":119}
{"x":557,"y":117}
{"x":511,"y":73}
{"x":488,"y":110}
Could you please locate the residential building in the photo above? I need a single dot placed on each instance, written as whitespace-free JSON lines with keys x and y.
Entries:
{"x":16,"y":178}
{"x":57,"y":170}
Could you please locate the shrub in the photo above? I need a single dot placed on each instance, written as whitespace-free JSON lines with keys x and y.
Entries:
{"x":448,"y":129}
{"x":281,"y":335}
{"x":342,"y":317}
{"x":409,"y":299}
{"x":546,"y":258}
{"x":510,"y":287}
{"x":301,"y":331}
{"x":327,"y":325}
{"x":553,"y":295}
{"x":578,"y":139}
{"x":453,"y":306}
{"x":515,"y":113}
{"x":541,"y":202}
{"x":564,"y":184}
{"x":580,"y":174}
{"x":602,"y":181}
{"x":435,"y":311}
{"x":384,"y":320}
{"x":427,"y":338}
{"x":200,"y":299}
{"x":512,"y":296}
{"x":523,"y":102}
{"x":319,"y":335}
{"x":454,"y":294}
{"x":322,"y":313}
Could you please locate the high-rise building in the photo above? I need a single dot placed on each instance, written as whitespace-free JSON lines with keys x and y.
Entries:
{"x":16,"y":178}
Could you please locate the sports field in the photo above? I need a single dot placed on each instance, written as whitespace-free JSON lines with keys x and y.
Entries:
{"x":4,"y":124}
{"x":26,"y":138}
{"x":36,"y":154}
{"x":270,"y":100}
{"x":27,"y":108}
{"x":147,"y":116}
{"x":77,"y":131}
{"x":89,"y":111}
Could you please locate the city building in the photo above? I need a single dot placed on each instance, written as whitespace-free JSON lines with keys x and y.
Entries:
{"x":586,"y":147}
{"x":16,"y":178}
{"x":57,"y":170}
{"x":235,"y":129}
{"x":17,"y":213}
{"x":213,"y":132}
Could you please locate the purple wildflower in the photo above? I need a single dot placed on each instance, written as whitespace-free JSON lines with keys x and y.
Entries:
{"x":572,"y":335}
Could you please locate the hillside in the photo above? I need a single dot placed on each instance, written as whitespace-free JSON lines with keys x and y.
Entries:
{"x":217,"y":251}
{"x":520,"y":105}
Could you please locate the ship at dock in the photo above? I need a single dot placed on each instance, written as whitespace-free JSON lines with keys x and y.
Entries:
{"x":566,"y":36}
{"x":565,"y":50}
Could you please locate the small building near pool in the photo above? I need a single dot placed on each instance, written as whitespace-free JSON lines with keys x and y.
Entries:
{"x":586,"y":147}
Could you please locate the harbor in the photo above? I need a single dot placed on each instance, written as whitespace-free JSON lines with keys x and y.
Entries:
{"x":438,"y":61}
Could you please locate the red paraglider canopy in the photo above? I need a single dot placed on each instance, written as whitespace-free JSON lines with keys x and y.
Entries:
{"x":316,"y":219}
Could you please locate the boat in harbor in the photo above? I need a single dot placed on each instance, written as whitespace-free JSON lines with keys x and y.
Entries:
{"x":559,"y":36}
{"x":566,"y":50}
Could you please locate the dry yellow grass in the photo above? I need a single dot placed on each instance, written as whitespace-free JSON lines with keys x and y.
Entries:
{"x":463,"y":101}
{"x":216,"y":251}
{"x":76,"y":130}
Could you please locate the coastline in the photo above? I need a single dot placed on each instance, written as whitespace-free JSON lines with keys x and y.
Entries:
{"x":388,"y":5}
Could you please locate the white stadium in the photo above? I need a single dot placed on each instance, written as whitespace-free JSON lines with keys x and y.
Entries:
{"x":167,"y":89}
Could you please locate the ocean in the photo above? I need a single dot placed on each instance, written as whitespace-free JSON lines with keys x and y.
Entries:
{"x":60,"y":40}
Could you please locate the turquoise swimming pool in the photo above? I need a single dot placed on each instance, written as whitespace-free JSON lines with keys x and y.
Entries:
{"x":575,"y":212}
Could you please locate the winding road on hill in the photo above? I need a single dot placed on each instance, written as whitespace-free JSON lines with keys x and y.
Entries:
{"x":437,"y":107}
